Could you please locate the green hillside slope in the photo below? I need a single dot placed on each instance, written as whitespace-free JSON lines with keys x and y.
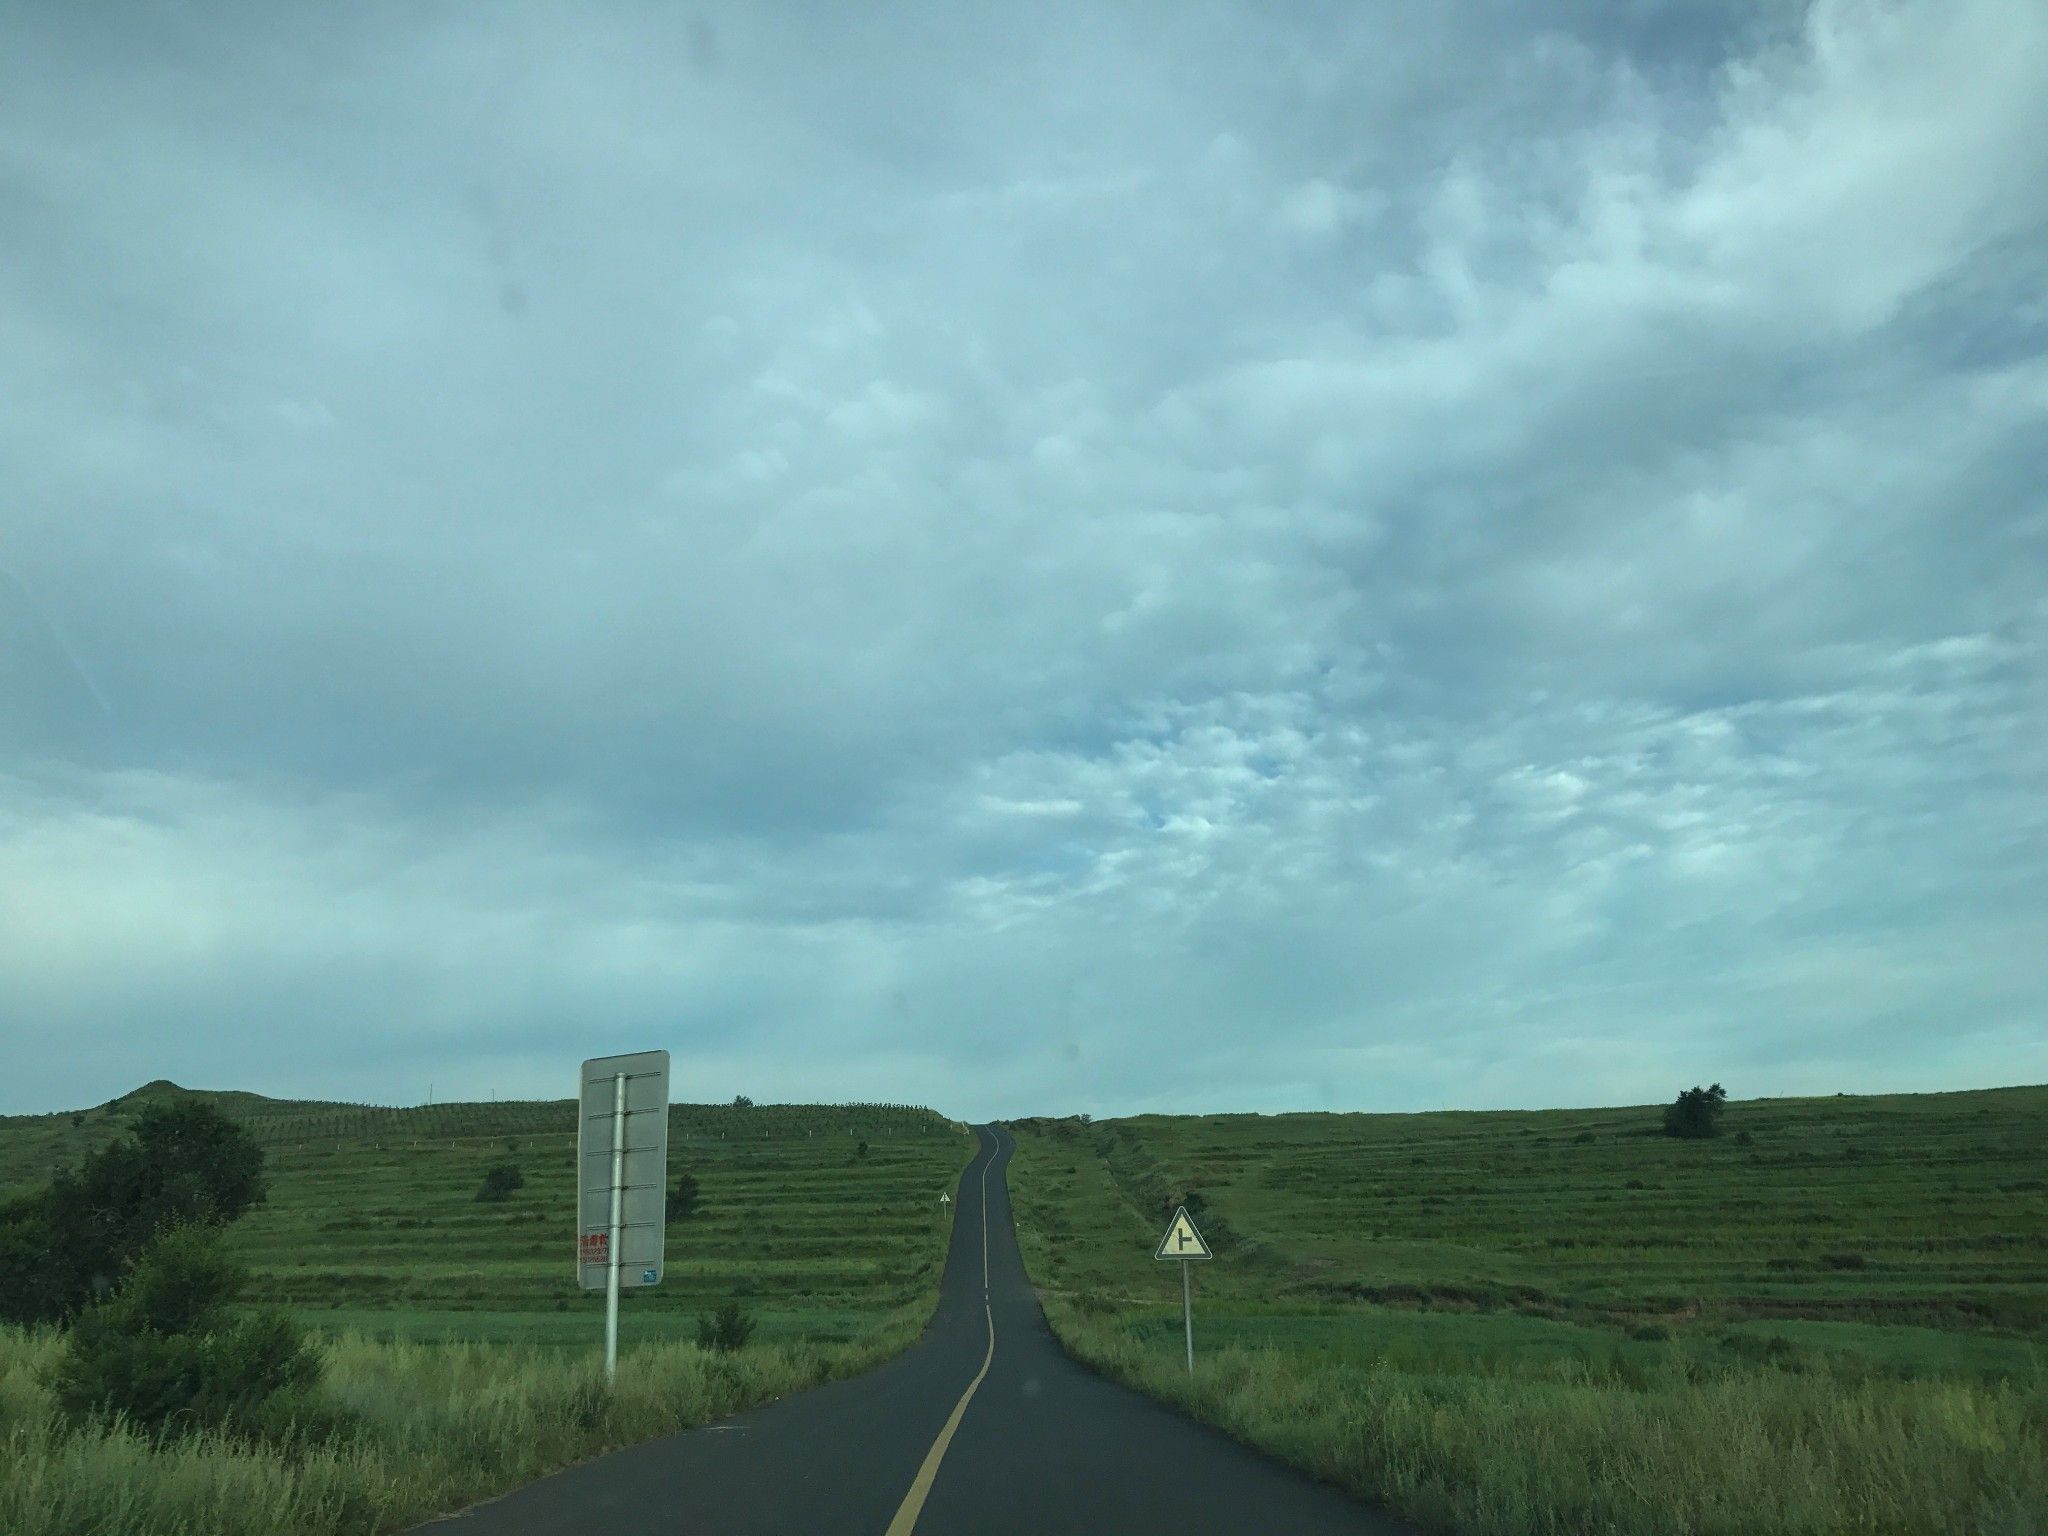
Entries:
{"x":1929,"y":1209}
{"x":372,"y":1222}
{"x":1831,"y":1317}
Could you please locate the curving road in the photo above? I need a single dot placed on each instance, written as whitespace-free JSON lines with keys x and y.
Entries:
{"x":983,"y":1428}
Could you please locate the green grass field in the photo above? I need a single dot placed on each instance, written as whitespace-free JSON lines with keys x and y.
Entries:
{"x":461,"y":1357}
{"x":1830,"y":1318}
{"x":372,"y":1225}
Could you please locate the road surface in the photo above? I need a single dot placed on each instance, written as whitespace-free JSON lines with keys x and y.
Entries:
{"x":983,"y":1428}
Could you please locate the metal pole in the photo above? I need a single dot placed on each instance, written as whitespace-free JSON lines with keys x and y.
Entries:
{"x":1187,"y":1312}
{"x":611,"y":1286}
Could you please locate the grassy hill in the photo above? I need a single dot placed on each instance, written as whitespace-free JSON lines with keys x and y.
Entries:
{"x":462,"y":1360}
{"x":372,"y":1224}
{"x":1503,"y":1321}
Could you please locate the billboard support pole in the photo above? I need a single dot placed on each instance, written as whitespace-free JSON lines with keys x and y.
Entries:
{"x":611,"y":1288}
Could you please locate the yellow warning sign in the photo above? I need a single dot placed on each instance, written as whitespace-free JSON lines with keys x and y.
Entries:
{"x":1182,"y":1241}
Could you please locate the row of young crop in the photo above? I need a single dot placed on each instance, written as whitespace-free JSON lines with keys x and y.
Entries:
{"x":446,"y":1122}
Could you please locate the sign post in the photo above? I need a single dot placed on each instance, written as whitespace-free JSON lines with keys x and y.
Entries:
{"x":621,"y":1179}
{"x":1184,"y":1243}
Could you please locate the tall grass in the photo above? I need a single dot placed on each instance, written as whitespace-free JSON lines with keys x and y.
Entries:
{"x":1741,"y":1451}
{"x":406,"y":1431}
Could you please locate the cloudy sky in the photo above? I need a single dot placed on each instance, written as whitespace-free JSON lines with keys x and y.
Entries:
{"x":1029,"y":559}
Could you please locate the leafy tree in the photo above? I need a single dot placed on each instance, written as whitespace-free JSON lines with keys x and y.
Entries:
{"x":500,"y":1183}
{"x":741,"y":1101}
{"x":1696,"y":1113}
{"x":185,"y":1163}
{"x":169,"y":1356}
{"x":682,"y":1204}
{"x":725,"y":1330}
{"x":35,"y":1282}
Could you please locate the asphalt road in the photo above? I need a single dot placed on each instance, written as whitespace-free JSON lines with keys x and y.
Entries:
{"x":983,"y":1428}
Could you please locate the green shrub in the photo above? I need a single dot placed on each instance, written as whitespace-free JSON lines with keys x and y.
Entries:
{"x":682,"y":1203}
{"x":725,"y":1330}
{"x":185,"y":1163}
{"x":168,"y":1356}
{"x":500,"y":1183}
{"x":1696,"y":1113}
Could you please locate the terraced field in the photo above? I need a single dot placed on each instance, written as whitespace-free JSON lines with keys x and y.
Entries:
{"x":1920,"y":1209}
{"x":373,"y":1225}
{"x":1566,"y":1321}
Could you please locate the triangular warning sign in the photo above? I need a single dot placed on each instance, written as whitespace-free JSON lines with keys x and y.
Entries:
{"x":1182,"y":1241}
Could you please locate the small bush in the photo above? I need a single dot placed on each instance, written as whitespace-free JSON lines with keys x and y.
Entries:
{"x":1650,"y":1332}
{"x":1696,"y":1113}
{"x":725,"y":1330}
{"x":861,"y":1150}
{"x":169,"y":1357}
{"x":1583,"y":1139}
{"x":501,"y":1183}
{"x":682,"y":1200}
{"x":1842,"y":1260}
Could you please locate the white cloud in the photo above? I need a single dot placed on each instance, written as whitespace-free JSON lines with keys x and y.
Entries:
{"x":1459,"y":567}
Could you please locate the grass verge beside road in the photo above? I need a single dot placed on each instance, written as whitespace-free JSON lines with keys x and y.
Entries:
{"x":417,"y":1429}
{"x":461,"y":1359}
{"x":1447,"y":1316}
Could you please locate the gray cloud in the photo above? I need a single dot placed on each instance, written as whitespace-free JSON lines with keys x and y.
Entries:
{"x":1065,"y":561}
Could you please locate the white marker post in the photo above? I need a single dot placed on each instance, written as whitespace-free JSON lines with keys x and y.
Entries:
{"x":1184,"y":1243}
{"x":621,"y":1180}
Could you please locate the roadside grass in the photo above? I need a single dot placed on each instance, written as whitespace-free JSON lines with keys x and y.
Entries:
{"x":1548,"y":1322}
{"x":576,"y":1330}
{"x":1745,"y":1451}
{"x":462,"y":1358}
{"x":416,"y":1430}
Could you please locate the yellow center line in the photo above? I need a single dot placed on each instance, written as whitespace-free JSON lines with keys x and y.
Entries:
{"x":921,"y":1485}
